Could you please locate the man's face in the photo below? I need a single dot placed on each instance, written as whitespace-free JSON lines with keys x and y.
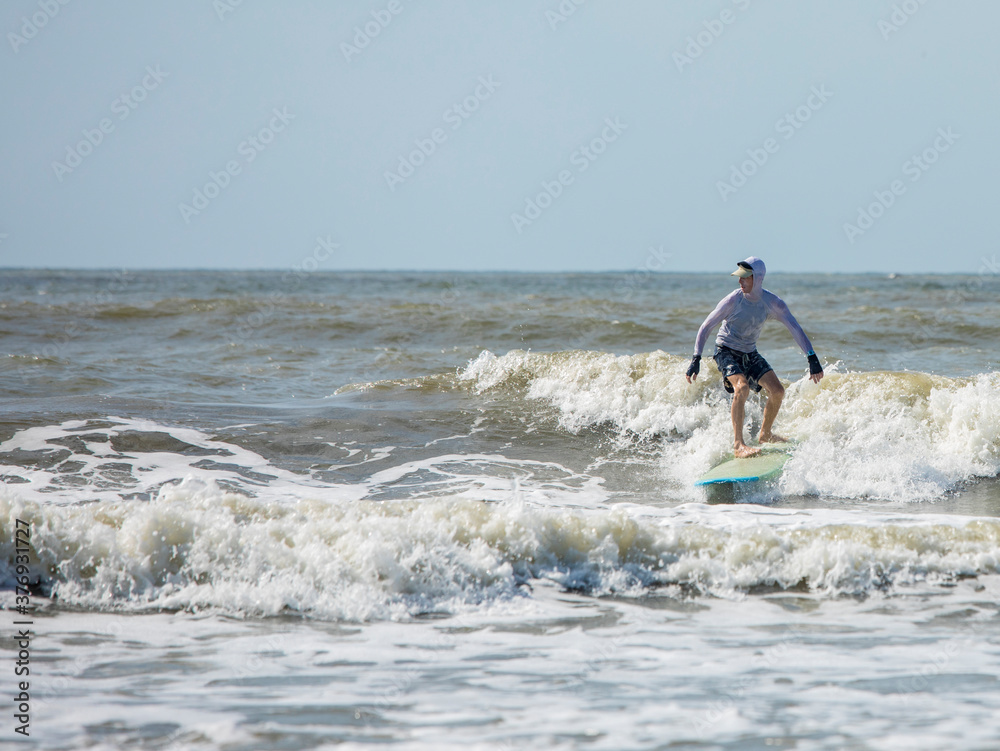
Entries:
{"x":746,"y":284}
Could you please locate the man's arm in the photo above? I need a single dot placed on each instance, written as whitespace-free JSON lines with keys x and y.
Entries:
{"x":779,"y":310}
{"x":716,"y":317}
{"x":724,"y":308}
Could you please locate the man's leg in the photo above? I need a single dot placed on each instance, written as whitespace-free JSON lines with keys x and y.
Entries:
{"x":740,"y":393}
{"x":775,"y":394}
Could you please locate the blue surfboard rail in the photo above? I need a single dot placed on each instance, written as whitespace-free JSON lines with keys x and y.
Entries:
{"x":763,"y":466}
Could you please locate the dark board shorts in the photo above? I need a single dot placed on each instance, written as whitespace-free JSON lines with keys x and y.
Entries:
{"x":749,"y":364}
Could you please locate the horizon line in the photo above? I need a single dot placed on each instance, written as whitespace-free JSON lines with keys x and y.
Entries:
{"x":635,"y":270}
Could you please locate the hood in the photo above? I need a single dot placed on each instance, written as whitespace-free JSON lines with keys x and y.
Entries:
{"x":759,"y":270}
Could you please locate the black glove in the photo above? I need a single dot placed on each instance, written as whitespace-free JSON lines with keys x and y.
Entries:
{"x":814,"y":366}
{"x":695,"y":366}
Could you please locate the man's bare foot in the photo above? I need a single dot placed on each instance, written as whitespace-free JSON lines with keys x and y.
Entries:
{"x":743,"y":451}
{"x":771,"y":438}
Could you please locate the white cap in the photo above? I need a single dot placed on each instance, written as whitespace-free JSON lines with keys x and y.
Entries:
{"x":744,"y":270}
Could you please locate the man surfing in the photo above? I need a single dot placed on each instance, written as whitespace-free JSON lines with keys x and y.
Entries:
{"x":743,"y":314}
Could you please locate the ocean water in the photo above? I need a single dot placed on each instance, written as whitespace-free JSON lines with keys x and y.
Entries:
{"x":293,"y":510}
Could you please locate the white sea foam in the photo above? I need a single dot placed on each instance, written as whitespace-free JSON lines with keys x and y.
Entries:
{"x":901,"y":436}
{"x":644,"y":394}
{"x":197,"y":547}
{"x":226,"y":530}
{"x":897,"y":436}
{"x":76,"y":461}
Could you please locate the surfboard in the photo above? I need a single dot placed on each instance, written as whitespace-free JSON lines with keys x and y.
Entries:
{"x":763,"y":466}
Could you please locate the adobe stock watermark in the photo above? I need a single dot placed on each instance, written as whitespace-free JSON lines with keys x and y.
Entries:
{"x":787,"y":126}
{"x":122,"y":106}
{"x":581,"y":158}
{"x":249,"y":148}
{"x":735,"y":695}
{"x":224,"y":7}
{"x":604,"y":652}
{"x":427,"y":319}
{"x":119,"y":281}
{"x":656,"y":261}
{"x":364,"y":34}
{"x":48,"y":9}
{"x":55,"y":690}
{"x":959,"y":296}
{"x":562,"y":13}
{"x":412,"y":676}
{"x":184,"y":737}
{"x":702,"y":40}
{"x":455,"y":117}
{"x":936,"y":664}
{"x":291,"y":280}
{"x":607,"y":312}
{"x":900,"y":16}
{"x":915,"y":167}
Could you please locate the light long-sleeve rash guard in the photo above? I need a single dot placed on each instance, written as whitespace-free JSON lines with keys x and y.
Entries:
{"x":743,"y":316}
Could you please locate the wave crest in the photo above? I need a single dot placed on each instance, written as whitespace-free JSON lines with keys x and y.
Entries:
{"x":196,"y":547}
{"x":901,"y":436}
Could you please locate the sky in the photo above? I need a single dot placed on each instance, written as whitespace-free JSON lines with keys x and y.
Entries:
{"x":557,"y":135}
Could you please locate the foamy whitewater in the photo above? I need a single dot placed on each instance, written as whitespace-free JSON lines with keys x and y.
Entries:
{"x":433,"y":511}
